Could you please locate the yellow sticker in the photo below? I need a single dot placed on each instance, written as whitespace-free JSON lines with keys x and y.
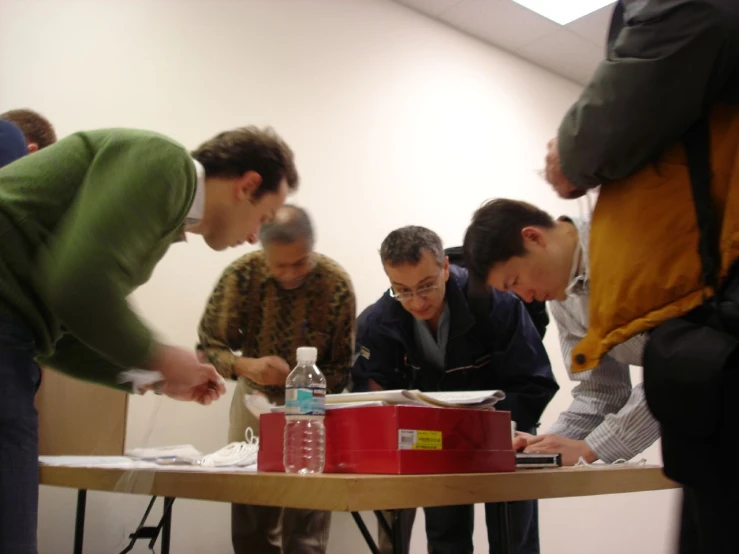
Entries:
{"x":412,"y":439}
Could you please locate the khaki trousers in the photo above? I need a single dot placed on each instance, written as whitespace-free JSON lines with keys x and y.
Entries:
{"x":264,"y":529}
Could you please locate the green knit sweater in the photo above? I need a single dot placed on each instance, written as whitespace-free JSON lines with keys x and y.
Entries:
{"x":83,"y":223}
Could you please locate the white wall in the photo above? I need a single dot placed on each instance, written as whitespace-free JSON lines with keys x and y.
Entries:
{"x":395,"y":120}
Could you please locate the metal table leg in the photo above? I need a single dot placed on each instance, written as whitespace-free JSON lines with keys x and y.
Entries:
{"x":165,"y":525}
{"x":79,"y":522}
{"x":365,"y":533}
{"x":164,"y":528}
{"x":395,"y":534}
{"x":382,"y":520}
{"x":398,"y":533}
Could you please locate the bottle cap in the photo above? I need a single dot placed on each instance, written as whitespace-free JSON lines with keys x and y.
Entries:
{"x":307,"y":354}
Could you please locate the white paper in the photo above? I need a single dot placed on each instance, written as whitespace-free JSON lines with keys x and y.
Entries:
{"x":110,"y":462}
{"x":462,"y":398}
{"x":472,"y":399}
{"x":389,"y":396}
{"x":338,"y":406}
{"x":185,"y":451}
{"x":122,"y":462}
{"x":202,"y":469}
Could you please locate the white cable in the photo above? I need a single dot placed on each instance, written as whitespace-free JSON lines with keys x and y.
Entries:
{"x":235,"y":454}
{"x":621,"y":461}
{"x":153,"y":418}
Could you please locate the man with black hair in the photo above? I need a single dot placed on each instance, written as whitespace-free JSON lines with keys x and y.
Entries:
{"x":514,"y":246}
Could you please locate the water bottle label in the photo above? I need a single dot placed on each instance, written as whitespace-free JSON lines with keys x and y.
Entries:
{"x":305,"y":401}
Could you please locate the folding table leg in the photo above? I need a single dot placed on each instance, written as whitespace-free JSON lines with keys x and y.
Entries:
{"x":365,"y":533}
{"x":79,"y":522}
{"x":398,"y":533}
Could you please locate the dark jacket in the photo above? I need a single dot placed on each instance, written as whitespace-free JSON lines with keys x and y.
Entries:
{"x":667,"y":61}
{"x":12,"y":143}
{"x":504,"y":352}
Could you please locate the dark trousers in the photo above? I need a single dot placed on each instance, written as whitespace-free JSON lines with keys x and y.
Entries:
{"x":704,"y":460}
{"x":706,"y":466}
{"x":709,"y":516}
{"x":19,"y":380}
{"x":449,"y":528}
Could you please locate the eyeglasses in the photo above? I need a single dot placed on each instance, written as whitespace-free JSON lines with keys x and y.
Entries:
{"x":423,"y":292}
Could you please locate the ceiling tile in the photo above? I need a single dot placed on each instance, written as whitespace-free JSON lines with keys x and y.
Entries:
{"x":565,"y":53}
{"x":430,"y":7}
{"x":500,"y":22}
{"x":594,"y":26}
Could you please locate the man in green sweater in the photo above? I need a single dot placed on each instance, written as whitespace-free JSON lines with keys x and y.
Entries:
{"x":83,"y":223}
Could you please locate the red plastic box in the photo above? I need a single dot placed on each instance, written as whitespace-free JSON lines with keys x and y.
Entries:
{"x":403,"y":440}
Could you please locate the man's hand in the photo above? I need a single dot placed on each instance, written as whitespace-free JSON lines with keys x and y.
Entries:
{"x":553,"y":174}
{"x":269,"y":370}
{"x":571,"y":450}
{"x":186,"y":377}
{"x":521,"y":441}
{"x":202,"y":394}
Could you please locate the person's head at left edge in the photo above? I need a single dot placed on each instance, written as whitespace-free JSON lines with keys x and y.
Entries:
{"x":12,"y":143}
{"x":37,"y":130}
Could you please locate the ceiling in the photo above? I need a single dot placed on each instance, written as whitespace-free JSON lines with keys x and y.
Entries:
{"x":572,"y":51}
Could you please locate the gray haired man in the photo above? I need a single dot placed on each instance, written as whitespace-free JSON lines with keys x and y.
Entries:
{"x":428,"y":333}
{"x":266,"y":305}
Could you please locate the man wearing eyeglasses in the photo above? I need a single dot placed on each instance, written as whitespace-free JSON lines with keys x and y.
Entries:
{"x":428,"y":333}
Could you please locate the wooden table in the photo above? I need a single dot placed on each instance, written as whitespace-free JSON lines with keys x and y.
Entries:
{"x":355,"y":493}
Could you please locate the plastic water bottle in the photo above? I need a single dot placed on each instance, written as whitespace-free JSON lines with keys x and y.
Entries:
{"x":305,"y":408}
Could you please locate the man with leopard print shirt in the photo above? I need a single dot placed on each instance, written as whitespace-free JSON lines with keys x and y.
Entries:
{"x":266,"y":305}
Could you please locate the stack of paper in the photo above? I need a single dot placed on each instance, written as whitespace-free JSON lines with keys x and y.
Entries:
{"x":174,"y":454}
{"x":122,"y":462}
{"x":460,"y":399}
{"x":343,"y":404}
{"x":455,"y":399}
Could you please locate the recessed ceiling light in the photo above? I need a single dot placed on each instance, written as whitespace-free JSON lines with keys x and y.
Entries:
{"x":563,"y":11}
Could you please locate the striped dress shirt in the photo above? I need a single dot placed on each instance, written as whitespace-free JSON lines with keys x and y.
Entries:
{"x":607,"y":412}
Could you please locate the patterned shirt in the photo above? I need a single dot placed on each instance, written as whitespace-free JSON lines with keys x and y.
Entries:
{"x":249,"y":312}
{"x":607,"y":412}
